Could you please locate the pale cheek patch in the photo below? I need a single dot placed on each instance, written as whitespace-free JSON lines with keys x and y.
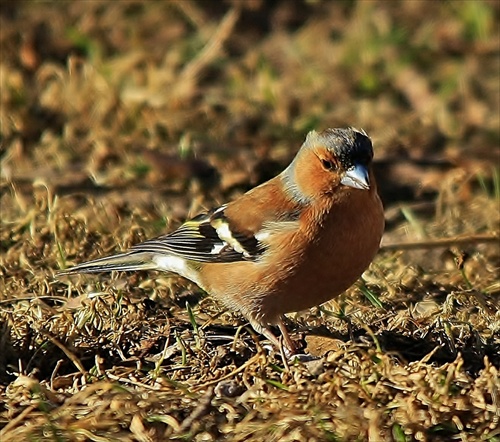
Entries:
{"x":177,"y":265}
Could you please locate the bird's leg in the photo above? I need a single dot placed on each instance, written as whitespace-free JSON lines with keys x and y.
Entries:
{"x":259,"y":328}
{"x":289,"y":343}
{"x":290,"y":346}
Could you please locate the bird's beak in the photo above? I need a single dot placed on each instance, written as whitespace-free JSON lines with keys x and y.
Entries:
{"x":357,"y":177}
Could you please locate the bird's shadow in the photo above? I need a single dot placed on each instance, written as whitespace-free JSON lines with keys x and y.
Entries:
{"x":435,"y":347}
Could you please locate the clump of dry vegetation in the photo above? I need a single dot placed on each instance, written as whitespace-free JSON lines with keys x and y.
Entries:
{"x":121,"y":119}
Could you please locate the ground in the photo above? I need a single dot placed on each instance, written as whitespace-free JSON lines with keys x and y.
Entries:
{"x":119,"y":120}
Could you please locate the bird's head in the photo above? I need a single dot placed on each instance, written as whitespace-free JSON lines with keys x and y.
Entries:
{"x":330,"y":160}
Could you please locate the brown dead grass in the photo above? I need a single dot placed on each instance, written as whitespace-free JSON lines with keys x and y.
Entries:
{"x":120,"y":119}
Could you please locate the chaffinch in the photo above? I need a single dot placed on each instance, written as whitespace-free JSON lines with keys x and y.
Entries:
{"x":294,"y":242}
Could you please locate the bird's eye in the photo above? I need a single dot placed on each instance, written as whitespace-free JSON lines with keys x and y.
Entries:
{"x":328,"y":165}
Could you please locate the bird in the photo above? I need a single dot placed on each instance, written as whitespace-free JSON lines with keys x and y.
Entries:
{"x":292,"y":243}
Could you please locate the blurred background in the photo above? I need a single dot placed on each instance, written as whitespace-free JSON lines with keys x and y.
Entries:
{"x":106,"y":95}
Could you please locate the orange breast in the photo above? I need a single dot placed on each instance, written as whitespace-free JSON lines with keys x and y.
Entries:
{"x":307,"y":268}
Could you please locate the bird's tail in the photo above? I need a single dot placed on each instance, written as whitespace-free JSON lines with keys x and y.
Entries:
{"x":124,"y":262}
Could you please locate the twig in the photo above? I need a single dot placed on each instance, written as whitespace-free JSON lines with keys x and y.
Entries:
{"x":131,"y":382}
{"x":210,"y":51}
{"x":70,"y":355}
{"x":443,"y":242}
{"x":61,"y":299}
{"x":233,"y":373}
{"x":200,"y":410}
{"x":16,"y":420}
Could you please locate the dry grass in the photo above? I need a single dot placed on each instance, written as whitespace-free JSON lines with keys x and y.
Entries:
{"x":121,"y":119}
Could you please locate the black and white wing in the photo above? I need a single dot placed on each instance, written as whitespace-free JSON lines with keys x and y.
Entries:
{"x":207,"y":238}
